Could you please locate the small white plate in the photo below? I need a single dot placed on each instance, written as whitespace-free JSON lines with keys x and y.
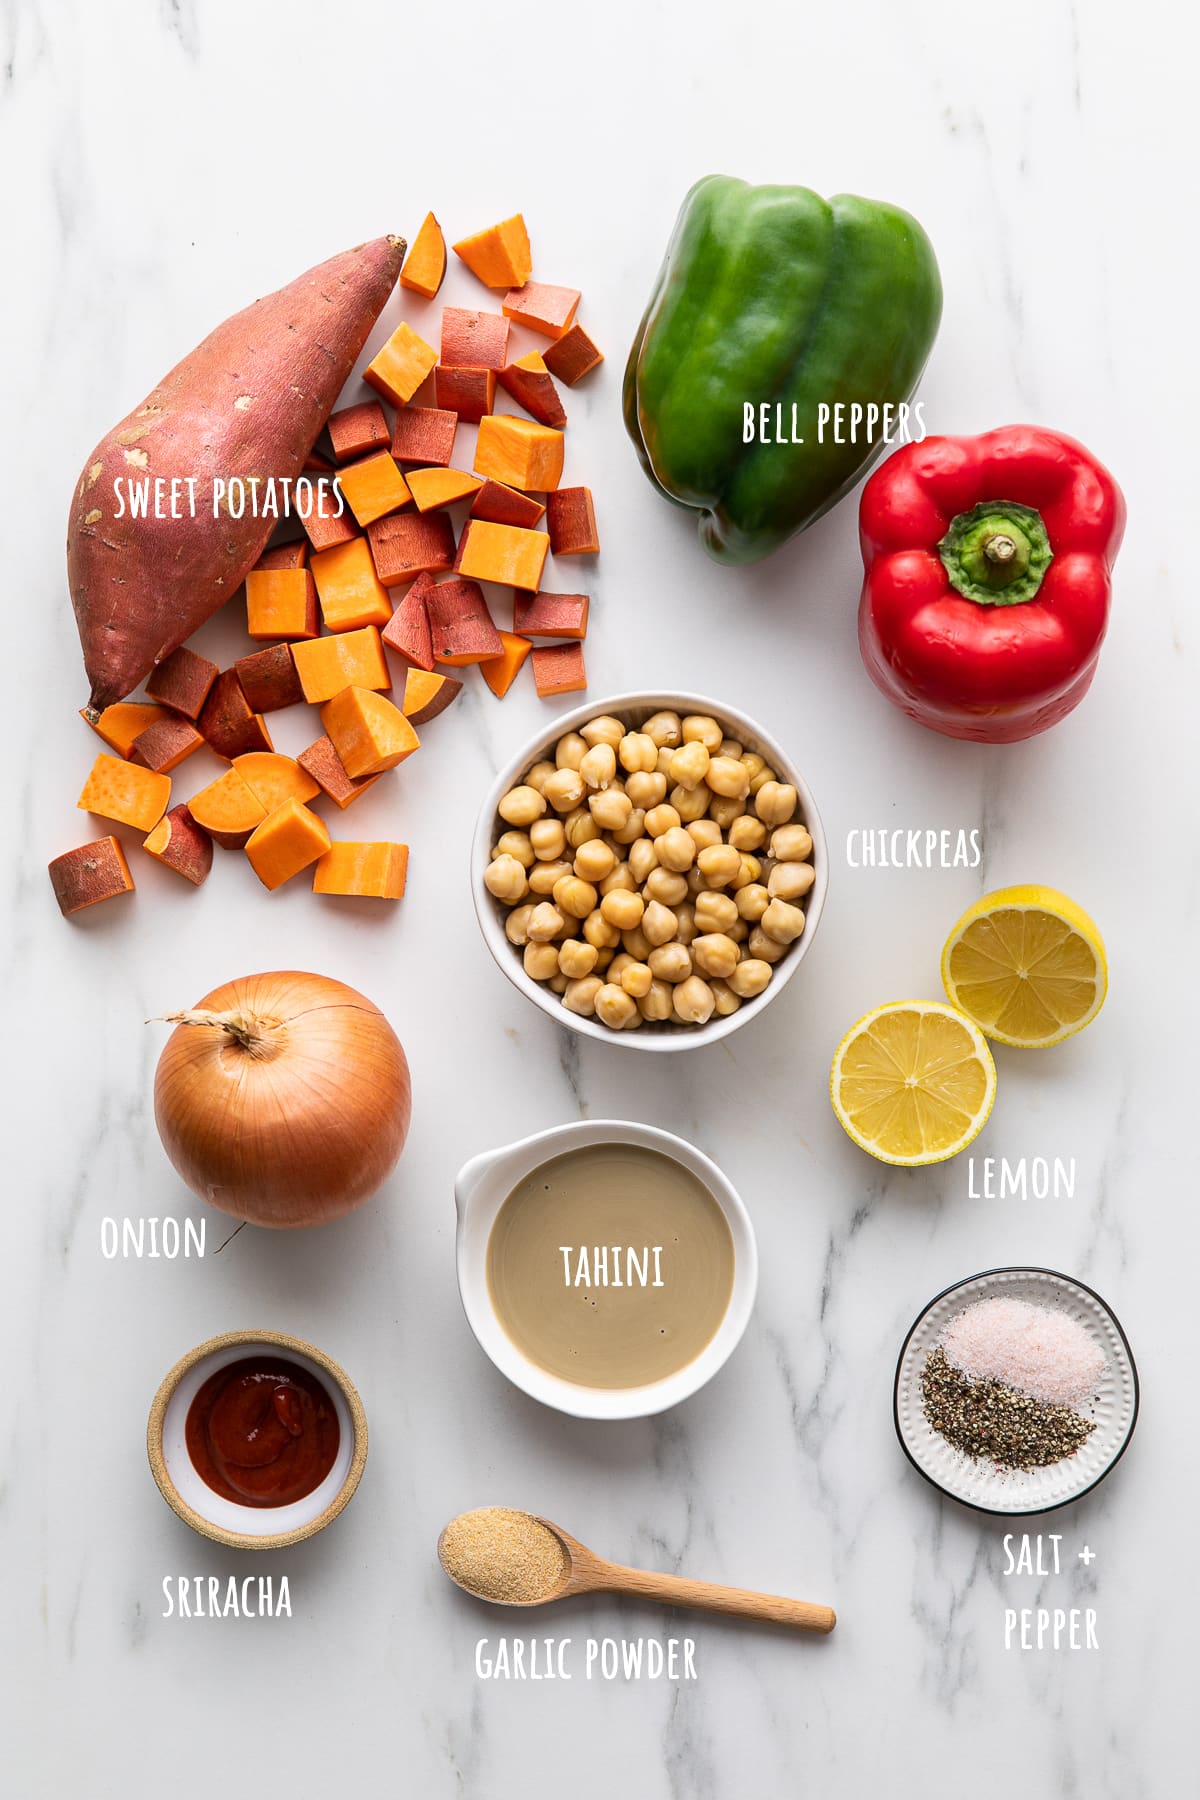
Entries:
{"x":977,"y":1482}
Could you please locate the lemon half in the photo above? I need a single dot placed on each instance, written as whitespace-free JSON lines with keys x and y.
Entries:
{"x":1027,"y":965}
{"x":913,"y":1082}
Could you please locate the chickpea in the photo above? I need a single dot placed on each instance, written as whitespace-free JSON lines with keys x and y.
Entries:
{"x":660,"y":820}
{"x":714,"y":912}
{"x":505,"y":880}
{"x":676,"y":849}
{"x":766,"y":773}
{"x":725,"y":810}
{"x":516,"y":924}
{"x":599,"y":765}
{"x":656,"y":1005}
{"x":664,"y":761}
{"x":719,"y":864}
{"x":540,"y":960}
{"x":598,"y":931}
{"x":521,"y":806}
{"x":580,"y":996}
{"x":604,"y":957}
{"x":664,"y":728}
{"x":545,"y":922}
{"x":731,"y":747}
{"x":726,"y":1001}
{"x":558,"y":984}
{"x":792,"y":843}
{"x":754,"y":765}
{"x":618,"y":880}
{"x":704,"y":833}
{"x":643,"y":856}
{"x":685,"y":922}
{"x":665,"y":886}
{"x":604,"y":730}
{"x":576,"y":958}
{"x":623,"y":909}
{"x":727,"y":776}
{"x":694,"y":1001}
{"x":537,"y":775}
{"x":515,"y":843}
{"x":635,"y":943}
{"x":715,"y":954}
{"x":615,"y":1008}
{"x":564,"y":789}
{"x":575,"y":898}
{"x":638,"y":753}
{"x":699,"y":728}
{"x":670,"y":962}
{"x":782,"y":921}
{"x":636,"y":979}
{"x":610,"y":809}
{"x":543,"y":876}
{"x":646,"y":790}
{"x":763,"y":948}
{"x":659,"y":924}
{"x":690,"y":803}
{"x":618,"y":966}
{"x":580,"y":827}
{"x":739,"y":931}
{"x":689,"y":765}
{"x":696,"y":883}
{"x":750,"y":977}
{"x":747,"y":833}
{"x":752,"y":901}
{"x":632,"y":829}
{"x":775,"y":802}
{"x":548,"y":838}
{"x":569,"y":751}
{"x":749,"y":871}
{"x":790,"y":880}
{"x":594,"y":859}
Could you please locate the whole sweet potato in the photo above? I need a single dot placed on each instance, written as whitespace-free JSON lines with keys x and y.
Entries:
{"x":246,"y":403}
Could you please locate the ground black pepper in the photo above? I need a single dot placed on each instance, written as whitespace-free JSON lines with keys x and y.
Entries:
{"x":988,"y":1419}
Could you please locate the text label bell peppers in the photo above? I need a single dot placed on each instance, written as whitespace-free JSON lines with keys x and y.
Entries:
{"x":772,"y":295}
{"x":988,"y":579}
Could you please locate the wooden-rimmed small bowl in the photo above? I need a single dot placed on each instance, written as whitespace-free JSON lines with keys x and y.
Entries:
{"x":224,"y":1521}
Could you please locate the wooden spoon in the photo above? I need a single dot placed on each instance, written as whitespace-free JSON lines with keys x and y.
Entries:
{"x":586,"y":1573}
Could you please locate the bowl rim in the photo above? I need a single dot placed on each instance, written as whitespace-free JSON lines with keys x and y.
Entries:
{"x":487,"y":910}
{"x":220,"y":1534}
{"x":613,"y":1405}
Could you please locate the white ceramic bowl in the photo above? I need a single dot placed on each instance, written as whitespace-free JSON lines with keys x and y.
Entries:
{"x":482,"y":1187}
{"x":632,"y":709}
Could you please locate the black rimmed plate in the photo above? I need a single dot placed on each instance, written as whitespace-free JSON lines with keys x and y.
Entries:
{"x":979,"y":1483}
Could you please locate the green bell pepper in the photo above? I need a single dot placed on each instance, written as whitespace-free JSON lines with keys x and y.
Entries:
{"x":774,"y":295}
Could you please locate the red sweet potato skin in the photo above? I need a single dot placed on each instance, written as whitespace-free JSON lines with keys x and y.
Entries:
{"x":248,"y":401}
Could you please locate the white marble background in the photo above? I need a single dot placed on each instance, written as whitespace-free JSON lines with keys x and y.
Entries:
{"x":163,"y":164}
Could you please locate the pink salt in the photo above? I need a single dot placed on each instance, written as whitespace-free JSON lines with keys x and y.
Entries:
{"x":1035,"y":1349}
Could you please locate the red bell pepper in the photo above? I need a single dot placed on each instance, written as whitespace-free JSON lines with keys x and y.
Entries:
{"x":987,"y":587}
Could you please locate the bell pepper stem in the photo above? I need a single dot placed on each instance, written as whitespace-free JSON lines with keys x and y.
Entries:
{"x":997,"y":553}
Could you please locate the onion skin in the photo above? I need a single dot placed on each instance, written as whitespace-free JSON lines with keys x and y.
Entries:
{"x":294,"y":1113}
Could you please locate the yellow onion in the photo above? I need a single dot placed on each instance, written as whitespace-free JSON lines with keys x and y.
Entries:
{"x":283,"y":1098}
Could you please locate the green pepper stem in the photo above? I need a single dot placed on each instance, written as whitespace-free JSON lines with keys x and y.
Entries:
{"x":997,"y":553}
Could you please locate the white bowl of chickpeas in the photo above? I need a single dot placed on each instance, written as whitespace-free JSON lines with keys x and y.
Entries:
{"x":652,"y":873}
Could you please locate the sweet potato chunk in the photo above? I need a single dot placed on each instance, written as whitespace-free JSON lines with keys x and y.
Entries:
{"x":273,"y":778}
{"x":288,"y":840}
{"x":227,"y":810}
{"x":178,"y":842}
{"x":325,"y":526}
{"x":573,"y":356}
{"x":441,"y":487}
{"x":519,"y":452}
{"x":229,"y":722}
{"x":367,"y":871}
{"x":571,"y":522}
{"x":357,"y":430}
{"x":550,"y":615}
{"x":284,"y":556}
{"x":424,"y":434}
{"x":425,"y":265}
{"x":471,"y":393}
{"x":558,"y":669}
{"x":374,"y":487}
{"x":367,"y":731}
{"x":503,"y":553}
{"x":531,"y":385}
{"x":473,"y":340}
{"x":460,"y":624}
{"x":327,"y":665}
{"x":163,"y":746}
{"x":426,"y":695}
{"x":400,"y":367}
{"x":501,"y":671}
{"x":501,"y":505}
{"x":322,"y":762}
{"x":183,"y":682}
{"x":409,"y":544}
{"x":550,"y":310}
{"x":269,"y":680}
{"x":499,"y":256}
{"x":121,"y":724}
{"x":407,"y":633}
{"x":281,"y":603}
{"x":124,"y":792}
{"x":94,"y":872}
{"x":350,"y":591}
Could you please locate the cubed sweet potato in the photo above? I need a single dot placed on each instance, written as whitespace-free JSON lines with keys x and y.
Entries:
{"x":473,"y":340}
{"x":426,"y":695}
{"x":227,"y":810}
{"x":269,"y":679}
{"x":573,"y":356}
{"x":350,"y":591}
{"x":164,"y":745}
{"x":121,"y":724}
{"x":571,"y":522}
{"x":374,"y":487}
{"x":408,"y":544}
{"x":329,"y":664}
{"x":499,"y":256}
{"x":470,"y":392}
{"x":501,"y":505}
{"x":425,"y":265}
{"x":289,"y":839}
{"x":503,"y":553}
{"x":441,"y":487}
{"x":183,"y":682}
{"x":399,"y":368}
{"x":365,"y":871}
{"x":550,"y":615}
{"x":229,"y":722}
{"x":281,"y":603}
{"x":519,"y":452}
{"x":93,"y":872}
{"x":326,"y":526}
{"x":541,"y":307}
{"x":501,"y":671}
{"x":273,"y":778}
{"x":357,"y":430}
{"x":292,"y":555}
{"x":558,"y":669}
{"x":369,"y":734}
{"x":322,"y":762}
{"x":425,"y":435}
{"x":531,"y":385}
{"x":407,"y":632}
{"x":125,"y":792}
{"x":179,"y":843}
{"x":461,"y":625}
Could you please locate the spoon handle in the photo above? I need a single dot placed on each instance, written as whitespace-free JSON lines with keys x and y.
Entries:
{"x":710,"y":1596}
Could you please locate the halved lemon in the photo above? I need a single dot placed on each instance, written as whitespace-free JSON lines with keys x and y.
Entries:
{"x":1027,"y":965}
{"x":913,"y":1082}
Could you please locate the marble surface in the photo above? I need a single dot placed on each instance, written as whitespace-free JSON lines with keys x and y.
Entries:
{"x":164,"y":164}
